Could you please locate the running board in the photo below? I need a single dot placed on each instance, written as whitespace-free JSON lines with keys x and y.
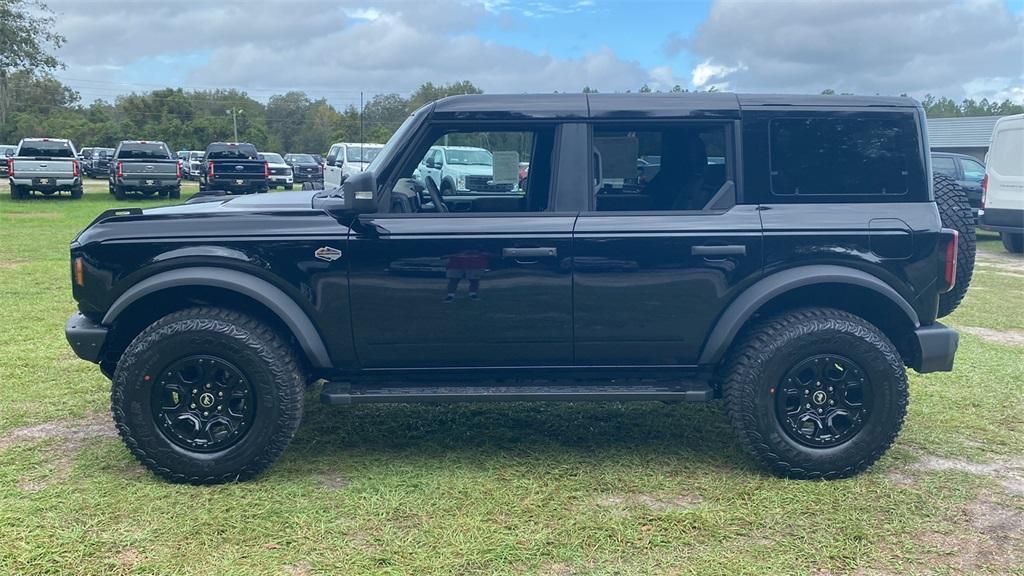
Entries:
{"x":342,"y":393}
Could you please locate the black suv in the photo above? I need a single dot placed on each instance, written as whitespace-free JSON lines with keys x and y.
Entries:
{"x":784,"y":254}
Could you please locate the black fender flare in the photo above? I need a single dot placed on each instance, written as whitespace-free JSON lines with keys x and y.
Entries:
{"x":761,"y":292}
{"x":279,"y":303}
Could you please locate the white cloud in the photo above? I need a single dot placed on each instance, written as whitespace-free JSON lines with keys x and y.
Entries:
{"x":945,"y":47}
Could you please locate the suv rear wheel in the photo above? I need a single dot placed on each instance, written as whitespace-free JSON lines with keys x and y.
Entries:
{"x":207,"y":395}
{"x":815,"y":393}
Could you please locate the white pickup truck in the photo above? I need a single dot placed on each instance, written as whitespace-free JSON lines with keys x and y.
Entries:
{"x":47,"y":165}
{"x":347,"y":158}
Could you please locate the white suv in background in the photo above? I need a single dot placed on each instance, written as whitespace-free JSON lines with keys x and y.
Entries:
{"x":1002,"y":203}
{"x":346,"y":158}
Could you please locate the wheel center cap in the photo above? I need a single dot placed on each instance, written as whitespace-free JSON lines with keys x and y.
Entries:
{"x":206,"y":400}
{"x":819,"y":397}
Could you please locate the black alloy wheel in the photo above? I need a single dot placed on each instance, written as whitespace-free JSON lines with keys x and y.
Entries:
{"x":203,"y":403}
{"x":823,"y":401}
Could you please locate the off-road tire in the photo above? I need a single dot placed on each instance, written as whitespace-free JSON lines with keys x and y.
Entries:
{"x":773,"y":346}
{"x":955,"y":212}
{"x":119,"y":192}
{"x":267,"y":361}
{"x":1014,"y":243}
{"x":76,"y":192}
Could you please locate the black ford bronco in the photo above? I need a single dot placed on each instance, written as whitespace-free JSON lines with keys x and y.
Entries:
{"x":785,"y":254}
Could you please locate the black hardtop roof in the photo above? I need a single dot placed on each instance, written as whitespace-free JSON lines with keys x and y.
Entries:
{"x":640,"y":105}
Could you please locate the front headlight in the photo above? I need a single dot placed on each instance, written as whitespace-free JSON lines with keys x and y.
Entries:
{"x":460,"y":182}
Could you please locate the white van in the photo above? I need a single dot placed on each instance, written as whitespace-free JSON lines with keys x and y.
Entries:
{"x":1002,"y":201}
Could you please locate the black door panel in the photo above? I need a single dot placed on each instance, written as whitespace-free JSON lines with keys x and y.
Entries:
{"x":511,"y":279}
{"x":648,"y":287}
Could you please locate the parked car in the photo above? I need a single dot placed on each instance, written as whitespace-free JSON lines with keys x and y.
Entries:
{"x":84,"y":154}
{"x":235,"y":168}
{"x":305,"y":167}
{"x":144,"y":167}
{"x":6,"y":151}
{"x":192,"y":168}
{"x":97,"y":165}
{"x":462,"y":170}
{"x":46,"y":165}
{"x":1002,"y":205}
{"x":280,"y":171}
{"x":966,"y":170}
{"x":215,"y":316}
{"x":347,"y":158}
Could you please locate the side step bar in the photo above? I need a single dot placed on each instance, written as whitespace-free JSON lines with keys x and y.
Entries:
{"x":342,"y":393}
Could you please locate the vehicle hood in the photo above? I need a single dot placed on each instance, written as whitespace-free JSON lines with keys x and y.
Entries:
{"x":470,"y":169}
{"x":276,"y":202}
{"x":277,"y":165}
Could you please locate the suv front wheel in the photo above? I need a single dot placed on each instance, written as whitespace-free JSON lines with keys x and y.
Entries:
{"x":207,"y":395}
{"x":816,"y":393}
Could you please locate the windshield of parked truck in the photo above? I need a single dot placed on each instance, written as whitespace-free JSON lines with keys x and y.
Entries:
{"x":302,"y":158}
{"x":144,"y":151}
{"x":272,"y":157}
{"x":46,"y":149}
{"x":467,"y":157}
{"x":362,"y":153}
{"x":231,"y":152}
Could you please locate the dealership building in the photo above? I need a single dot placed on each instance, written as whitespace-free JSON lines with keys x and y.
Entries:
{"x":967,"y":135}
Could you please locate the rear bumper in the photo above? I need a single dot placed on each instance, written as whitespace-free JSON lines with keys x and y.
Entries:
{"x":85,"y":336}
{"x":58,"y":183}
{"x":1003,"y":220}
{"x":936,"y":348}
{"x":232,"y":185}
{"x":140,"y":183}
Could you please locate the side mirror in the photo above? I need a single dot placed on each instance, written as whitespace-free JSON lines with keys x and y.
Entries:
{"x":356,"y":196}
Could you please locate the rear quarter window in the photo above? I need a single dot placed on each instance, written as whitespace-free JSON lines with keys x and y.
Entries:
{"x":846,"y":158}
{"x":144,"y":151}
{"x":46,"y":149}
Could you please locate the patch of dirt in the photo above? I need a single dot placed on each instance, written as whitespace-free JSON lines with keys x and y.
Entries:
{"x":1012,"y":337}
{"x":558,"y":569}
{"x":12,"y":264}
{"x":333,"y":480}
{"x":1009,"y":473}
{"x":1000,"y":261}
{"x":653,"y":502}
{"x":900,"y":478}
{"x":130,"y":558}
{"x":301,"y":568}
{"x":71,"y":436}
{"x":994,"y":519}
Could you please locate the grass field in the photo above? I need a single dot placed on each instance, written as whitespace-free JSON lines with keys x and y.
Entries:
{"x":553,"y":489}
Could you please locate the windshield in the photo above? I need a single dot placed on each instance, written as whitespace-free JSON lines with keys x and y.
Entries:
{"x":46,"y":148}
{"x":362,"y":153}
{"x":272,"y":157}
{"x":396,"y":138}
{"x":231,"y":152}
{"x":147,"y":151}
{"x":466,"y":157}
{"x":302,"y":158}
{"x":195,"y":156}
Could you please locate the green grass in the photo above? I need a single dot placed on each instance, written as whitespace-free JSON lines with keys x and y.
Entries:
{"x":599,"y":488}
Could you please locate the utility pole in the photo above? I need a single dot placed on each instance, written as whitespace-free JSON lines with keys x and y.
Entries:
{"x":234,"y":119}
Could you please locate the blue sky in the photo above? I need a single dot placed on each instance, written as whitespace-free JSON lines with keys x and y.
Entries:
{"x":337,"y":49}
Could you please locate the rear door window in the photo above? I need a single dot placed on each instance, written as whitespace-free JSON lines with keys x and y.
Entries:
{"x":973,"y":170}
{"x":842,"y":156}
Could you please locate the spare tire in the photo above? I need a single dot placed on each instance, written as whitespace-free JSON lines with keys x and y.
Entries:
{"x":956,"y":214}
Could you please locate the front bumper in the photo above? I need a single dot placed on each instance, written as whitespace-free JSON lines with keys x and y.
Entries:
{"x":317,"y":177}
{"x":280,"y":179}
{"x":936,"y":348}
{"x":85,"y":336}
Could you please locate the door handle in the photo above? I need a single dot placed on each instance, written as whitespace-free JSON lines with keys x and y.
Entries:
{"x":529,"y":252}
{"x":727,"y":250}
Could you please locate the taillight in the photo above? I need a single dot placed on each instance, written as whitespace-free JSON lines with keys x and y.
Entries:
{"x":984,"y":191}
{"x":266,"y":170}
{"x":179,"y":170}
{"x":74,"y":168}
{"x":120,"y":169}
{"x":209,"y":170}
{"x":321,"y":166}
{"x":949,"y":270}
{"x":10,"y":167}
